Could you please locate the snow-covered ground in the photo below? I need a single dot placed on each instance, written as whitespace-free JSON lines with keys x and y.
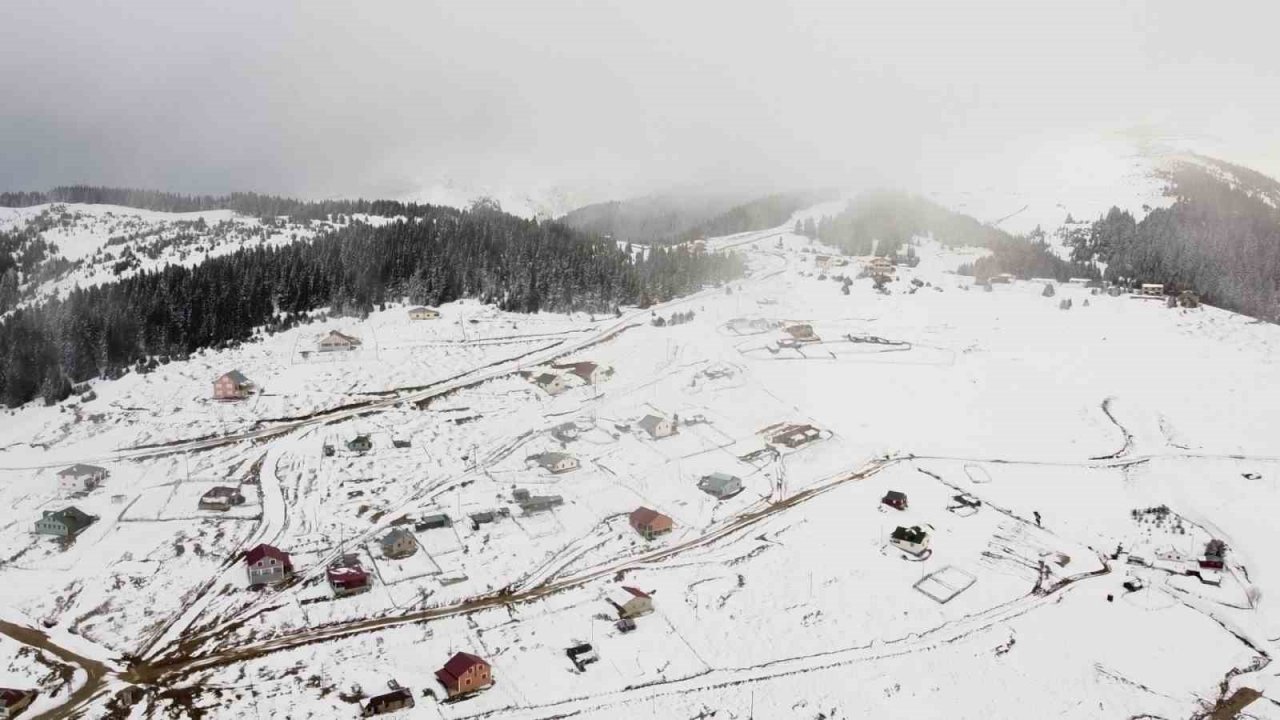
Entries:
{"x":786,"y":600}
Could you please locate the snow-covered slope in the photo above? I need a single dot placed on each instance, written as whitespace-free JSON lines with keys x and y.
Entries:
{"x":1116,"y":422}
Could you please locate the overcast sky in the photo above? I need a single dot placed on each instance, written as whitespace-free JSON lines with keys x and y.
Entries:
{"x":322,"y":99}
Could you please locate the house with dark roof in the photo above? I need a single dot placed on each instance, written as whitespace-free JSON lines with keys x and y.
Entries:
{"x":793,"y":436}
{"x":398,"y":699}
{"x":550,"y":383}
{"x":361,"y":443}
{"x":465,"y":673}
{"x":13,"y":701}
{"x":65,"y":523}
{"x":221,"y":498}
{"x":914,"y":540}
{"x":399,"y":543}
{"x":80,"y":478}
{"x":267,"y":565}
{"x":232,"y":386}
{"x":337,"y":342}
{"x":555,"y":463}
{"x":894,"y":499}
{"x":590,"y":373}
{"x":657,"y":427}
{"x":433,"y":522}
{"x":565,"y":432}
{"x":630,"y":602}
{"x":540,"y":503}
{"x":649,"y":523}
{"x":720,"y":485}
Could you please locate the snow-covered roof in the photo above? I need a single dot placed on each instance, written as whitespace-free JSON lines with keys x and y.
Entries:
{"x":80,"y":469}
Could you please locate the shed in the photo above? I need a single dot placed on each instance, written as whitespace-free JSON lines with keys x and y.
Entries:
{"x":895,"y":499}
{"x":551,"y":383}
{"x":397,"y":699}
{"x":630,"y":602}
{"x":220,"y":497}
{"x":540,"y":503}
{"x":433,"y":522}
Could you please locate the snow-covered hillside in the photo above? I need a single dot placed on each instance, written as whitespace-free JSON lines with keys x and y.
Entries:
{"x":93,"y":244}
{"x":1051,"y":455}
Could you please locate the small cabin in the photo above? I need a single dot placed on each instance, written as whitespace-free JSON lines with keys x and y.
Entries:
{"x":1152,"y":289}
{"x":346,"y":576}
{"x":657,"y":427}
{"x":338,"y":342}
{"x":914,"y":540}
{"x":555,"y":463}
{"x":550,"y":383}
{"x":397,"y":699}
{"x":360,"y":444}
{"x":232,"y":386}
{"x":221,"y":498}
{"x":630,"y":602}
{"x":894,"y":499}
{"x":433,"y":522}
{"x":793,"y":436}
{"x":423,"y":313}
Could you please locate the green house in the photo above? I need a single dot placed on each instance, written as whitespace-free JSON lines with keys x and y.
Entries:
{"x":66,"y":523}
{"x":361,"y":443}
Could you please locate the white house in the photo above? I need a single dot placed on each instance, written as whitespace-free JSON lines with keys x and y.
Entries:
{"x":630,"y":602}
{"x":80,"y":478}
{"x":336,"y":341}
{"x":1153,"y":289}
{"x":555,"y":462}
{"x":657,"y":427}
{"x":423,"y":313}
{"x":914,"y":540}
{"x":551,"y":383}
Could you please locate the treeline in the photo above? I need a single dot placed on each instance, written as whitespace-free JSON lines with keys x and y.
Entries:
{"x":444,"y":255}
{"x":884,"y":221}
{"x":1220,"y":238}
{"x":1026,"y":257}
{"x":760,"y":214}
{"x":653,"y":219}
{"x":252,"y":204}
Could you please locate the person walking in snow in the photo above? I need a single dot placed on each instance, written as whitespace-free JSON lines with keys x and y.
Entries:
{"x":1036,"y":513}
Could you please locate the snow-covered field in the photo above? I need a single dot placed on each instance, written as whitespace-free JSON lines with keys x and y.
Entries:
{"x":786,"y":600}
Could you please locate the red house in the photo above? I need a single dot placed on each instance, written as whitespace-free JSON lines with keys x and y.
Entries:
{"x":232,"y":386}
{"x":14,"y":701}
{"x":649,"y":523}
{"x":347,"y":577}
{"x":465,"y":673}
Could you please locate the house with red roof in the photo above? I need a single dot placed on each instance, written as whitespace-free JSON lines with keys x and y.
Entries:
{"x":267,"y":565}
{"x":14,"y":701}
{"x":347,"y":577}
{"x":650,"y":523}
{"x":465,"y":673}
